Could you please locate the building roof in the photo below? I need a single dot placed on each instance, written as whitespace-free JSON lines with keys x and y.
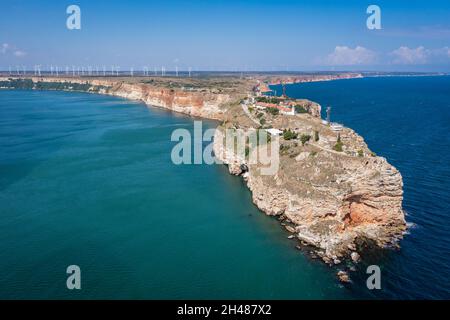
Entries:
{"x":274,"y":131}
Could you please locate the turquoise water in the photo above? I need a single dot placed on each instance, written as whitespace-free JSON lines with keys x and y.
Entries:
{"x":406,"y":120}
{"x":87,"y":180}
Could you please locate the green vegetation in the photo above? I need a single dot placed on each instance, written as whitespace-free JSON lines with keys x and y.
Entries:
{"x":268,"y":99}
{"x":17,"y":84}
{"x":247,"y":151}
{"x":284,"y":148}
{"x":300,"y":109}
{"x":288,"y":135}
{"x":262,"y":121}
{"x":273,"y":111}
{"x":338,"y":146}
{"x":360,"y":153}
{"x":373,"y":154}
{"x":305,"y":138}
{"x":316,"y":136}
{"x":45,"y":85}
{"x":313,"y":153}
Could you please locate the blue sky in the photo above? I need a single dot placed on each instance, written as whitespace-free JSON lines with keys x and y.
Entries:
{"x":228,"y":35}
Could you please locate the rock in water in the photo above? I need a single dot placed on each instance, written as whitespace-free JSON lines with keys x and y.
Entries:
{"x":343,"y":276}
{"x":355,"y":257}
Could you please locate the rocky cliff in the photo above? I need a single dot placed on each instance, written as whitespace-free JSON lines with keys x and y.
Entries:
{"x":333,"y":201}
{"x":197,"y":103}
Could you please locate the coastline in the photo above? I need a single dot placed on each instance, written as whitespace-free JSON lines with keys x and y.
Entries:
{"x":273,"y":198}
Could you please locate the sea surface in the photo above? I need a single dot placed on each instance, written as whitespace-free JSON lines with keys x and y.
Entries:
{"x":88,"y":180}
{"x":406,"y":120}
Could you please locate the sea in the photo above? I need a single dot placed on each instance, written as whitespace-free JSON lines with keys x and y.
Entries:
{"x":88,"y":180}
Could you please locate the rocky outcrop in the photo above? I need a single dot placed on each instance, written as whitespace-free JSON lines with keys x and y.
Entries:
{"x":333,"y":201}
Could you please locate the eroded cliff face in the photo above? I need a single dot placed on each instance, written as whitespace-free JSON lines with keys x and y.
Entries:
{"x":194,"y":103}
{"x":206,"y":105}
{"x":329,"y":200}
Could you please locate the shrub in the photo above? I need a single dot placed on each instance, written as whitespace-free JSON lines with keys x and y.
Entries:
{"x":284,"y":148}
{"x":288,"y":135}
{"x":338,"y":146}
{"x":305,"y":138}
{"x":316,"y":136}
{"x":273,"y":111}
{"x":300,"y":109}
{"x":262,"y":121}
{"x":360,"y":153}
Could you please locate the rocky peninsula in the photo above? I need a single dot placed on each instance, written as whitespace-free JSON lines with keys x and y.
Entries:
{"x":330,"y":191}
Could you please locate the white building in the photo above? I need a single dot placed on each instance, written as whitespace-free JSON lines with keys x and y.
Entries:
{"x":274,"y":131}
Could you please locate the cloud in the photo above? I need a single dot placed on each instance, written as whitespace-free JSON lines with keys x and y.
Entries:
{"x":406,"y":55}
{"x":4,"y":48}
{"x":20,"y":53}
{"x":343,"y":55}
